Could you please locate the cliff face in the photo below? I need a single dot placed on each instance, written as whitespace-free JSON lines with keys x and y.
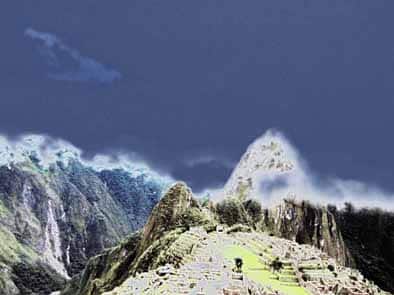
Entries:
{"x":369,"y":236}
{"x":177,"y":205}
{"x":53,"y":219}
{"x":307,"y":224}
{"x":297,"y":221}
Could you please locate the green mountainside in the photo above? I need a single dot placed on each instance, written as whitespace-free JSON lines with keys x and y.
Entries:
{"x":52,"y":220}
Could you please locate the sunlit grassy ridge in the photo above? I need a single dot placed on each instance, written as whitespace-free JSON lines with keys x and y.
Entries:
{"x":256,"y":270}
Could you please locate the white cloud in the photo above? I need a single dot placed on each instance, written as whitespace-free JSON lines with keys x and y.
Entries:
{"x":271,"y":185}
{"x":303,"y":184}
{"x":49,"y":39}
{"x":202,"y":159}
{"x":87,"y":69}
{"x":300,"y":183}
{"x":48,"y":150}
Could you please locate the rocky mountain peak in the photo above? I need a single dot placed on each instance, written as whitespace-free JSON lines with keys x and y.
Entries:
{"x":266,"y":155}
{"x":266,"y":160}
{"x":176,"y":208}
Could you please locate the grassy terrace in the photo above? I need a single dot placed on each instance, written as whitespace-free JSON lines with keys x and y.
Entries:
{"x":256,"y":271}
{"x":258,"y":248}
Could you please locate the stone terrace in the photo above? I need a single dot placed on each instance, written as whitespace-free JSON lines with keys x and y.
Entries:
{"x":198,"y":267}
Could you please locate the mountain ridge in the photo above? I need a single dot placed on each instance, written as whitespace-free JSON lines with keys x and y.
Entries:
{"x":56,"y":217}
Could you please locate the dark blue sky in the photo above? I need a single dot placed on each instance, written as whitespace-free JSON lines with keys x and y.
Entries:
{"x":179,"y":81}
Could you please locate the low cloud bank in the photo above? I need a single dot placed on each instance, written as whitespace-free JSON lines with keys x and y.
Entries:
{"x":47,"y":150}
{"x":301,"y":183}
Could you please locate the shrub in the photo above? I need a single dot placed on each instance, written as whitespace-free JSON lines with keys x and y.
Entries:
{"x":253,"y":208}
{"x":231,"y":211}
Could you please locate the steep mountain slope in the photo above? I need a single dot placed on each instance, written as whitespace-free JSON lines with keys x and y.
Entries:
{"x":296,"y":221}
{"x":176,"y":212}
{"x":53,"y":217}
{"x":307,"y":224}
{"x":369,"y":236}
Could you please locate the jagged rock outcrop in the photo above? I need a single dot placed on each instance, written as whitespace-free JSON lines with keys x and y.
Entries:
{"x":52,"y":219}
{"x":307,"y":224}
{"x":297,"y":221}
{"x":261,"y":158}
{"x":177,"y":208}
{"x":176,"y":212}
{"x":107,"y":269}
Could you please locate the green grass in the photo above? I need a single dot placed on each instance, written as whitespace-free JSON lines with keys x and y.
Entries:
{"x":258,"y":248}
{"x":254,"y":270}
{"x":3,"y":210}
{"x":11,"y":250}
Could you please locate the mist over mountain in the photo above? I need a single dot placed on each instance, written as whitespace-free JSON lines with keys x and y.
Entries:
{"x":272,"y":169}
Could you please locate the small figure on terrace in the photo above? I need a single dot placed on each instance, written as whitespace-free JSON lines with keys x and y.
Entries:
{"x":238,"y":264}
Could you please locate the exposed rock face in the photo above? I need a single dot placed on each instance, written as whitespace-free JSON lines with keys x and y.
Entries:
{"x":261,"y":158}
{"x":307,"y":224}
{"x":55,"y":218}
{"x":177,"y":208}
{"x":176,"y":212}
{"x":105,"y":270}
{"x":300,"y":222}
{"x":369,"y":236}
